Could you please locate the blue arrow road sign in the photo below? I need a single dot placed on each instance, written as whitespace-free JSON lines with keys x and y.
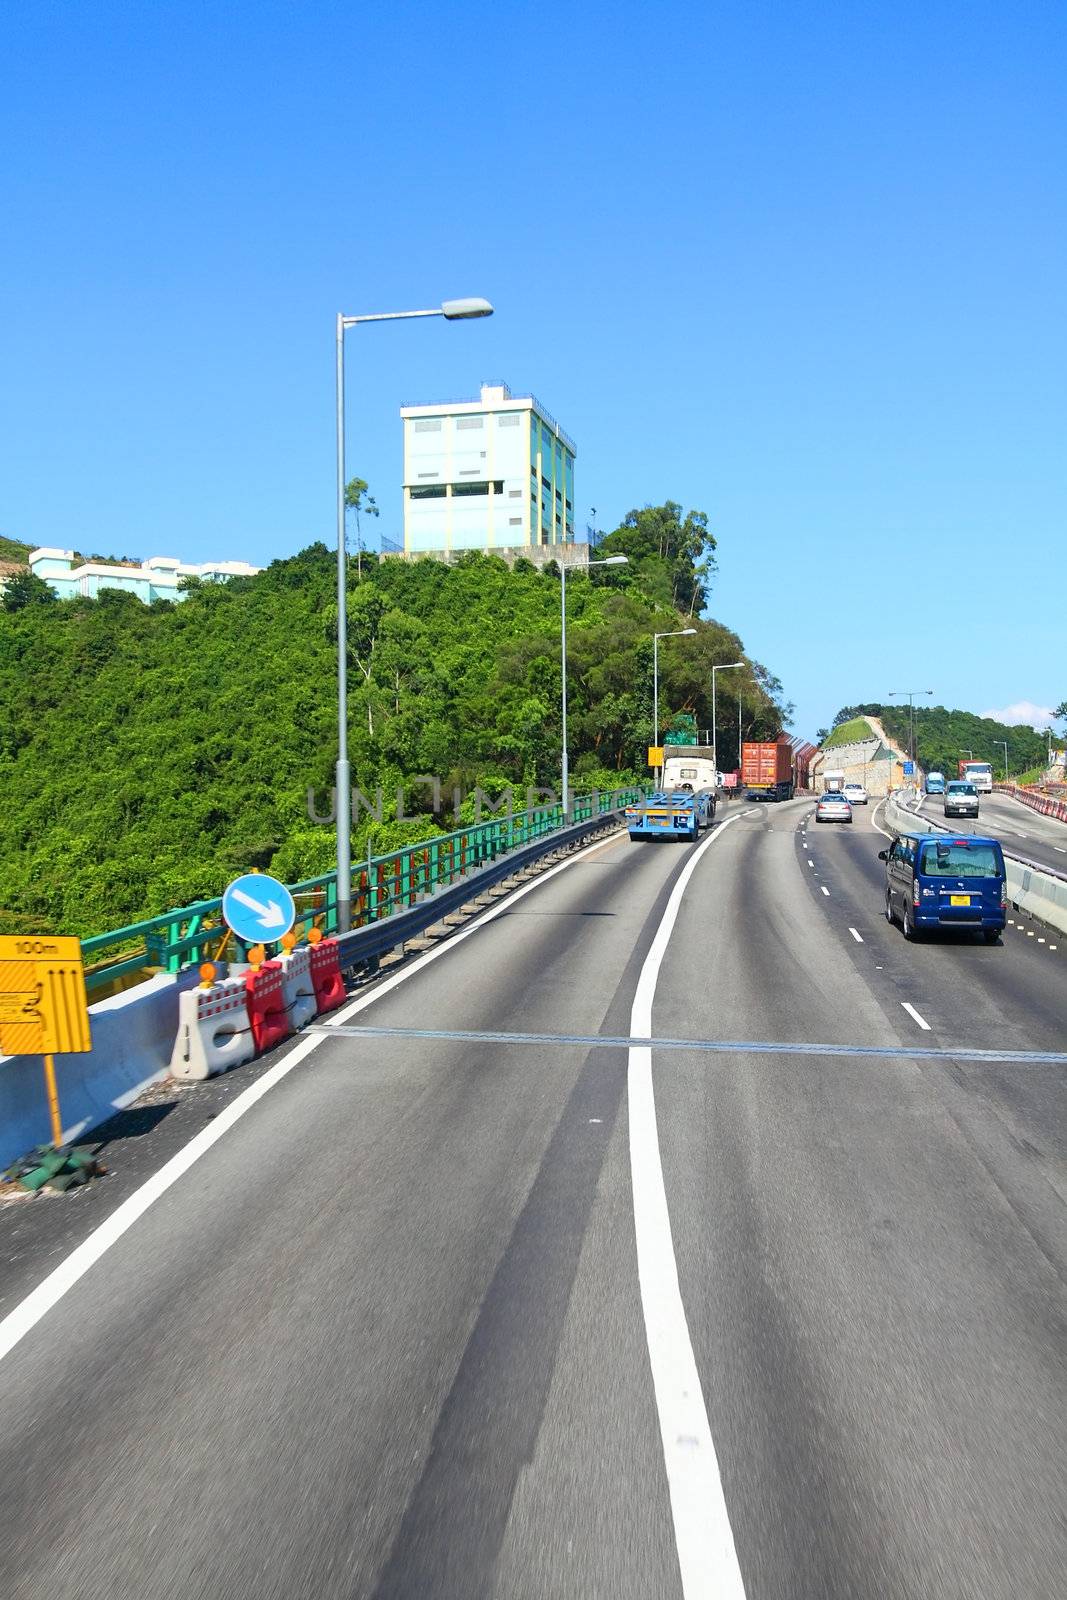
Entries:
{"x":258,"y":908}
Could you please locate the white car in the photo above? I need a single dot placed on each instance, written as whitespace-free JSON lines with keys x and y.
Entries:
{"x":855,"y":793}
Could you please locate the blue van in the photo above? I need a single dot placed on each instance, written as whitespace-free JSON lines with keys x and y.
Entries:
{"x":935,"y":783}
{"x":933,"y":880}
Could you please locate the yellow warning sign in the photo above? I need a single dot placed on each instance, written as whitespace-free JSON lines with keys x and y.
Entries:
{"x":655,"y":755}
{"x":43,"y":1009}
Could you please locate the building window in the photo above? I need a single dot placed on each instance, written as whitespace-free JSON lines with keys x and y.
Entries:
{"x":468,"y":422}
{"x":427,"y":424}
{"x":475,"y":488}
{"x":514,"y":522}
{"x":427,"y":491}
{"x":510,"y":419}
{"x":514,"y":494}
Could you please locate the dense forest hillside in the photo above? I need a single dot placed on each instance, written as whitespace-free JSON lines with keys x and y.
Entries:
{"x":149,"y":753}
{"x":943,"y":737}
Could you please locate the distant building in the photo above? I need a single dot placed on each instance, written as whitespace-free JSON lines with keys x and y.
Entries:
{"x":156,"y":579}
{"x":489,"y":474}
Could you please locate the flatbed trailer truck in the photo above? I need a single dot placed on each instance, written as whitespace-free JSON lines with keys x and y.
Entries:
{"x":677,"y":815}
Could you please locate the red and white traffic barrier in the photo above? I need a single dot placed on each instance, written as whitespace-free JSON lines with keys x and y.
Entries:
{"x":213,"y":1030}
{"x":297,"y":987}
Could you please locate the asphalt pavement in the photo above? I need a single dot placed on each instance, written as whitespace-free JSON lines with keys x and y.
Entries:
{"x":387,"y":1335}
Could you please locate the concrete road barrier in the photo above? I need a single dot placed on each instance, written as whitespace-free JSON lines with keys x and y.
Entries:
{"x":132,"y":1033}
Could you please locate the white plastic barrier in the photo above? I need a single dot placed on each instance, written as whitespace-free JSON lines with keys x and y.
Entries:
{"x":132,"y":1035}
{"x":213,"y":1032}
{"x":297,"y":987}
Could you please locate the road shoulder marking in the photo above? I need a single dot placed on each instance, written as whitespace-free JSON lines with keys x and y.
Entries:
{"x":707,"y":1557}
{"x":910,"y":1009}
{"x":856,"y":935}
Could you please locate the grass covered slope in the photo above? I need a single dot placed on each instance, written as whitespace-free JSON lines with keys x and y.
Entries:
{"x":148,"y":754}
{"x":854,"y":731}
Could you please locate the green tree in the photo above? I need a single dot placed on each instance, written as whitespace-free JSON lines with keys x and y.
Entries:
{"x":671,"y":558}
{"x":25,"y":589}
{"x":359,"y":500}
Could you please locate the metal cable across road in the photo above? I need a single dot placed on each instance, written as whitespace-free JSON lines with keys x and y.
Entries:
{"x":751,"y":1047}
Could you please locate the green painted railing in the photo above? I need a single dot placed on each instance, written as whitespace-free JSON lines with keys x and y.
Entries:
{"x":380,"y":885}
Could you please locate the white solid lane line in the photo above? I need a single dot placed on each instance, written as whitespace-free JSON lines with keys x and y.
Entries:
{"x":857,"y":936}
{"x":910,"y":1009}
{"x":51,"y":1289}
{"x":707,"y":1558}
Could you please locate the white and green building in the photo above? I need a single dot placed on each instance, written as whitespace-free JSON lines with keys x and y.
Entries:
{"x":496,"y":473}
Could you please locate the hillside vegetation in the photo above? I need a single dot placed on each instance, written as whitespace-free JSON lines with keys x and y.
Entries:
{"x":147,"y":754}
{"x":854,"y":731}
{"x":13,"y":550}
{"x":943,"y":737}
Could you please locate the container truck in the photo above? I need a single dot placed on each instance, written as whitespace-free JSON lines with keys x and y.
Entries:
{"x":767,"y":770}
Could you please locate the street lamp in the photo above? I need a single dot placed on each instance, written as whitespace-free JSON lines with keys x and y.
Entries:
{"x":452,"y":311}
{"x":608,"y":561}
{"x":656,"y":637}
{"x":1004,"y":746}
{"x":910,"y":694}
{"x":725,"y":666}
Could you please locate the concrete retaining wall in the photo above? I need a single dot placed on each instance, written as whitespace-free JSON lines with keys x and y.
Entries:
{"x":133,"y":1035}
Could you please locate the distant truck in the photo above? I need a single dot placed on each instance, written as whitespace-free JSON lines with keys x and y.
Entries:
{"x":690,"y":766}
{"x":767,"y":770}
{"x":935,"y":783}
{"x":980,"y":773}
{"x":833,"y":781}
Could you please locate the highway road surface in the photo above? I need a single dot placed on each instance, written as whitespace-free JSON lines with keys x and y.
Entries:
{"x":1021,"y":831}
{"x":437,"y":1316}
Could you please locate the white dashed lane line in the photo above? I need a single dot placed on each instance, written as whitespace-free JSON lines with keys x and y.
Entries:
{"x":856,"y":935}
{"x":824,"y":889}
{"x":910,"y":1009}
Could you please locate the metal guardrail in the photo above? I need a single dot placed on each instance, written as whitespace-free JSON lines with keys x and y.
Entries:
{"x":367,"y":944}
{"x":381,"y":887}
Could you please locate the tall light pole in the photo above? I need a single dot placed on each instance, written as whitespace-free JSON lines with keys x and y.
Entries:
{"x":680,"y":633}
{"x":453,"y":311}
{"x":910,"y":695}
{"x":608,"y":561}
{"x":1003,"y":743}
{"x":724,"y":666}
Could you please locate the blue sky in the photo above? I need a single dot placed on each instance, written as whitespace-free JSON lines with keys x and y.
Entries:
{"x":799,"y":266}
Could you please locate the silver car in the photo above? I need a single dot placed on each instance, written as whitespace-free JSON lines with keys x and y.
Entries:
{"x":833,"y":808}
{"x":961,"y":799}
